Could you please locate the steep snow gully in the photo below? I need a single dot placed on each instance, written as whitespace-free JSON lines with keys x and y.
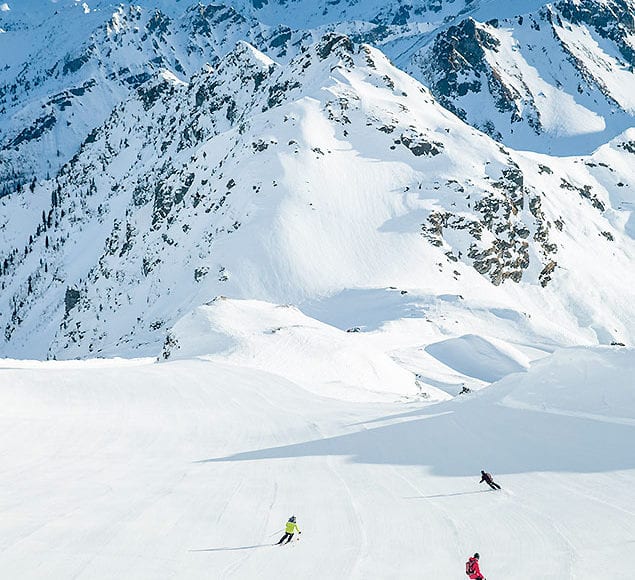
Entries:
{"x":189,"y":469}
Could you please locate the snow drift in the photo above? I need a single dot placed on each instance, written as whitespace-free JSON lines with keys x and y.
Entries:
{"x":280,"y":339}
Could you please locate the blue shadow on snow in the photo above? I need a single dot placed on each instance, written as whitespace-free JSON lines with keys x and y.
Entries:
{"x":471,"y":438}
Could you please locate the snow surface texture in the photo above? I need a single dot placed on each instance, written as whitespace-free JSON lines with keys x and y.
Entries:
{"x":281,"y":339}
{"x":189,"y":469}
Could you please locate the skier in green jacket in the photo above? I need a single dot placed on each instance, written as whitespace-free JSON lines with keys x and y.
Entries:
{"x":289,"y":530}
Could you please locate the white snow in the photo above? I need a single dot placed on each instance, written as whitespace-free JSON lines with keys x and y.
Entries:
{"x":280,"y":339}
{"x":545,"y":84}
{"x":560,"y":114}
{"x":476,"y":357}
{"x":323,"y":378}
{"x":189,"y":469}
{"x":620,"y":82}
{"x":308,"y":203}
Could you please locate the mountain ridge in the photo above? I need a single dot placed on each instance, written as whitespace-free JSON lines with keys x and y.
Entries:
{"x":259,"y":147}
{"x":52,"y":96}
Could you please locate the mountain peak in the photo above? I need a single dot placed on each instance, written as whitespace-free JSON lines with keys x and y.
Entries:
{"x":250,"y":55}
{"x":333,"y":44}
{"x":298,"y":165}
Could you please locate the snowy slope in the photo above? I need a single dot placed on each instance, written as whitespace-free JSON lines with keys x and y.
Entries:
{"x":66,"y":69}
{"x":295,"y":183}
{"x":282,"y":340}
{"x":189,"y":469}
{"x":354,"y":292}
{"x":550,"y":78}
{"x":556,"y":78}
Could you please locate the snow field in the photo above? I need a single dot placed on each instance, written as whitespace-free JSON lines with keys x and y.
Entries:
{"x":363,"y":345}
{"x":189,"y":469}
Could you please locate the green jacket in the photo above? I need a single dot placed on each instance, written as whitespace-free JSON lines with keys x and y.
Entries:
{"x":291,"y":527}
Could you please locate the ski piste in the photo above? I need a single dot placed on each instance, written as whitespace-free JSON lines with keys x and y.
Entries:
{"x":97,"y":487}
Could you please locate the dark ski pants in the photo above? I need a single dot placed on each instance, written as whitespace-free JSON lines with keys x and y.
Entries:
{"x":287,"y":536}
{"x":493,"y":485}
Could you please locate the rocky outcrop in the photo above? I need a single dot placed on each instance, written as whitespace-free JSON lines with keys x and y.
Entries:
{"x":496,"y":232}
{"x":506,"y":77}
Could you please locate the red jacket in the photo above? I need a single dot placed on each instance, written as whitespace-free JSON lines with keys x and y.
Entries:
{"x":472,"y":565}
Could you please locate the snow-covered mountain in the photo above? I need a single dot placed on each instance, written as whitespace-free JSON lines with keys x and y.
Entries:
{"x":299,"y":182}
{"x":52,"y":94}
{"x":201,"y":150}
{"x":558,"y":80}
{"x":555,"y":78}
{"x":368,"y":247}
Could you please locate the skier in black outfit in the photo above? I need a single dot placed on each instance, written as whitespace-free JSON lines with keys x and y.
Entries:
{"x":487,"y":478}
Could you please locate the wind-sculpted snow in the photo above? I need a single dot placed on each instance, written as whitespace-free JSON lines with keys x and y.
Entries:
{"x":280,"y":339}
{"x":596,"y":385}
{"x":475,"y":357}
{"x":585,"y":385}
{"x":189,"y":469}
{"x":293,"y":183}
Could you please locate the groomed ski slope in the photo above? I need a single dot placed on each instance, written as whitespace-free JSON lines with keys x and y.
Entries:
{"x":189,"y":469}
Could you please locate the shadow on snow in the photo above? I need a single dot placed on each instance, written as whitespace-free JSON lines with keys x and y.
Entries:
{"x":474,"y":437}
{"x":448,"y":494}
{"x":233,"y":549}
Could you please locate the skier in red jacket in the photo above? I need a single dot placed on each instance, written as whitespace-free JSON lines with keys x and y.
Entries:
{"x":471,"y":568}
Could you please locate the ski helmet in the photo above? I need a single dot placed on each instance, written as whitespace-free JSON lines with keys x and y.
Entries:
{"x":292,"y":519}
{"x":477,"y":556}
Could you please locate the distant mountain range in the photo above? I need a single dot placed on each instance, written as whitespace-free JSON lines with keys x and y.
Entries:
{"x":154,"y":156}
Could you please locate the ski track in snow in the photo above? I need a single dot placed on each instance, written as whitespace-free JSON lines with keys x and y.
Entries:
{"x":190,"y":470}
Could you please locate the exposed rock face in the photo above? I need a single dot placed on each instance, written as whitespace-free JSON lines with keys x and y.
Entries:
{"x":205,"y":180}
{"x":507,"y":76}
{"x":457,"y":65}
{"x":613,"y":20}
{"x":53,"y":101}
{"x":497,"y":236}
